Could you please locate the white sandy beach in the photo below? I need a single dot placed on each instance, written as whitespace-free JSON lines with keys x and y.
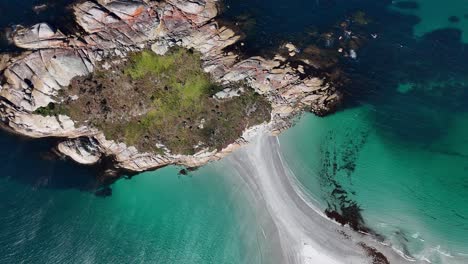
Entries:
{"x":295,"y":229}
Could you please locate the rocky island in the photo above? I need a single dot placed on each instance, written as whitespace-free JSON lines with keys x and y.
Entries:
{"x":150,"y":84}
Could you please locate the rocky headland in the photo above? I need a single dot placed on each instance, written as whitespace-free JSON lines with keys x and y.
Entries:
{"x":115,"y":30}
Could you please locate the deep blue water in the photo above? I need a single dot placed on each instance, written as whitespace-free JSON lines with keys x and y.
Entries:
{"x":435,"y":64}
{"x":31,"y":162}
{"x":269,"y":23}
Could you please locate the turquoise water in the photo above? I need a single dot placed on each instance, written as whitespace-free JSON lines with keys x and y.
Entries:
{"x":157,"y":217}
{"x":434,"y":14}
{"x":50,"y":214}
{"x":399,"y":148}
{"x":415,"y":196}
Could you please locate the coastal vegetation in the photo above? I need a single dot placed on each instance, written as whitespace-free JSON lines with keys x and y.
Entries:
{"x":52,"y":109}
{"x":152,"y":101}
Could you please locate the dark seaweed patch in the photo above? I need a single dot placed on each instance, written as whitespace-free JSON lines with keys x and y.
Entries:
{"x":454,"y":19}
{"x":377,"y":257}
{"x":339,"y":163}
{"x":104,"y":192}
{"x":349,"y":215}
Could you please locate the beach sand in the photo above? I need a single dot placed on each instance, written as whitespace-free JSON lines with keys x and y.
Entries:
{"x":298,"y":232}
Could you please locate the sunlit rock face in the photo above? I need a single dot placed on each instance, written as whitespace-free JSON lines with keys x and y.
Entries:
{"x":35,"y":78}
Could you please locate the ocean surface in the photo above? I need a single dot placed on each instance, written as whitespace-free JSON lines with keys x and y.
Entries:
{"x":397,"y":149}
{"x":49,"y":215}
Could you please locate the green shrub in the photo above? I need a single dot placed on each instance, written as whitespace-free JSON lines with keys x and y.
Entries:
{"x":52,"y":109}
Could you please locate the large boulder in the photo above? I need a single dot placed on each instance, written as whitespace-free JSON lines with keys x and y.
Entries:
{"x":39,"y":36}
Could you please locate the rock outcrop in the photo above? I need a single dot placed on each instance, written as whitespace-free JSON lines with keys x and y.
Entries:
{"x":113,"y":28}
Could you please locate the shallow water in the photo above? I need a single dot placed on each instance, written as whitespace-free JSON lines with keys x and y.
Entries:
{"x":415,"y":196}
{"x":435,"y":14}
{"x":398,"y":148}
{"x":305,"y":234}
{"x":50,"y":214}
{"x":156,"y":217}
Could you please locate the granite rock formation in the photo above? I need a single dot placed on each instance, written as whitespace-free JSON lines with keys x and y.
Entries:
{"x":114,"y":28}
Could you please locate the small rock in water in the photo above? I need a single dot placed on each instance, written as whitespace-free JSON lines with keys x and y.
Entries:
{"x":39,"y":8}
{"x":300,"y":69}
{"x":290,"y":47}
{"x":353,"y":54}
{"x":293,"y":50}
{"x":279,"y":58}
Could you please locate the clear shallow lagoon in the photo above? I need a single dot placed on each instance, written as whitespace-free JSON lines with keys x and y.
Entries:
{"x":156,"y":217}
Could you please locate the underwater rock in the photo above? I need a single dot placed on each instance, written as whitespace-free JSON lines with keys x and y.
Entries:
{"x":454,"y":19}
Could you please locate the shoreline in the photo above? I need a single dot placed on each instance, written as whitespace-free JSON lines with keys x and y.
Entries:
{"x":305,"y":233}
{"x":31,"y":80}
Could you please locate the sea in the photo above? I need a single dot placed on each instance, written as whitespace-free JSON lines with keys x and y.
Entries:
{"x":397,"y":149}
